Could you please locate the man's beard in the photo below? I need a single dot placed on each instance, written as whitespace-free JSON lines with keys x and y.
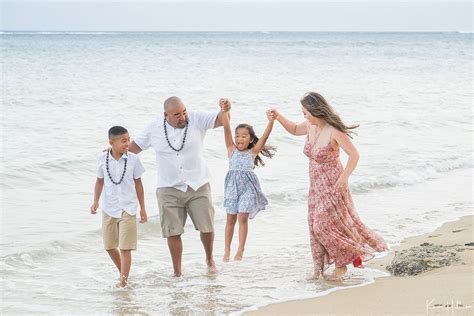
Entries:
{"x":183,"y":124}
{"x":178,"y":125}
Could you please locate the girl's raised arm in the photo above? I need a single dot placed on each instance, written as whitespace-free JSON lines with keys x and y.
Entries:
{"x":262,"y":140}
{"x":229,"y":141}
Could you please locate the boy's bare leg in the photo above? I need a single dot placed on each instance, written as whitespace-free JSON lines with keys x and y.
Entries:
{"x":207,"y":240}
{"x":115,"y":256}
{"x":229,"y":233}
{"x":125,"y":267}
{"x":175,"y":246}
{"x":243,"y":230}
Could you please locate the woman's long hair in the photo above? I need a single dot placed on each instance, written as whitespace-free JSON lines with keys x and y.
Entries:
{"x":267,"y":151}
{"x":315,"y":104}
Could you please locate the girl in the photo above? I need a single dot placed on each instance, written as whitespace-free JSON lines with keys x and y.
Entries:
{"x":243,"y":197}
{"x":337,"y":235}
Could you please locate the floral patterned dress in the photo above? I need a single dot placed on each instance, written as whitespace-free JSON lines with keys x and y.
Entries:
{"x":337,"y":235}
{"x":242,"y":193}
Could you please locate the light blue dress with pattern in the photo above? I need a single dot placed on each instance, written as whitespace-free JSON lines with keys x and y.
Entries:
{"x":242,"y":193}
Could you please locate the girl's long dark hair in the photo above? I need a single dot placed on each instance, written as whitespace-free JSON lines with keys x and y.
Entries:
{"x":267,"y":151}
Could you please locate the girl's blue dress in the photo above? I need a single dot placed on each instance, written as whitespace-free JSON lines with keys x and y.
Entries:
{"x":242,"y":193}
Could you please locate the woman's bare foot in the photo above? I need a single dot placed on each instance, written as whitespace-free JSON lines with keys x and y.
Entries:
{"x":238,"y":256}
{"x":226,"y":256}
{"x":338,"y":274}
{"x":314,"y":277}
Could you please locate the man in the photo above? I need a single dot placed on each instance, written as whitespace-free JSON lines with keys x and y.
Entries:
{"x":183,"y":178}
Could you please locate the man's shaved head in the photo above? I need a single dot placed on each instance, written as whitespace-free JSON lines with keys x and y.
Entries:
{"x":175,"y":112}
{"x":170,"y":102}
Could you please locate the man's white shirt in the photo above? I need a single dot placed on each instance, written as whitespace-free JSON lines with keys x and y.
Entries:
{"x":186,"y":167}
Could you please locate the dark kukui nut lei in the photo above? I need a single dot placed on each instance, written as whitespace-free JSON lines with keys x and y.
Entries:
{"x":167,"y":139}
{"x":108,"y":172}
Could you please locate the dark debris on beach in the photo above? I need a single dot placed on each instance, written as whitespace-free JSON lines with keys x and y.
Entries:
{"x":422,"y":258}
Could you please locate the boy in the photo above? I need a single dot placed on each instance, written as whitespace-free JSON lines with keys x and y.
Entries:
{"x":120,"y":171}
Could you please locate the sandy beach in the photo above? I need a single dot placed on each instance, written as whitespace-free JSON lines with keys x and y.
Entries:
{"x":446,"y":290}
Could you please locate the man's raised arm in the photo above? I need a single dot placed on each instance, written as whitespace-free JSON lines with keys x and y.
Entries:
{"x":133,"y":147}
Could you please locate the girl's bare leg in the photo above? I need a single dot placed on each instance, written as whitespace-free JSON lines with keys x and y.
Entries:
{"x":243,"y":230}
{"x":229,"y":233}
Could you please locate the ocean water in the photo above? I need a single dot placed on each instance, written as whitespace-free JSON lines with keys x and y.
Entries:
{"x":410,"y":92}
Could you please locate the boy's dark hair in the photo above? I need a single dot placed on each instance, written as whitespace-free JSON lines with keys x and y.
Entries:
{"x":117,"y":131}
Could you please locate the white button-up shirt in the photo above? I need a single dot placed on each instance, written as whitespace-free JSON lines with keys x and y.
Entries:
{"x":123,"y":196}
{"x":186,"y":167}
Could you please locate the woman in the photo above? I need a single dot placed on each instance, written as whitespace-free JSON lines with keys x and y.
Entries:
{"x":337,"y":235}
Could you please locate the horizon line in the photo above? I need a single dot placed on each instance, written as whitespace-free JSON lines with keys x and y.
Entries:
{"x":216,"y":31}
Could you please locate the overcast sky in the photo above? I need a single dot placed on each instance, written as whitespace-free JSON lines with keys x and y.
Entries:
{"x":237,"y":15}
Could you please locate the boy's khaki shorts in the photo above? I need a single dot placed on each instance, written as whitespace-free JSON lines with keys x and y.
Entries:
{"x":119,"y":232}
{"x":175,"y":205}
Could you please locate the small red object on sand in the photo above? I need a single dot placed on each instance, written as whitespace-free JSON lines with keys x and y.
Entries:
{"x":357,"y":262}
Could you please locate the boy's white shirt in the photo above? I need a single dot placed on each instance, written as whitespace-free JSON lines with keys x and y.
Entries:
{"x":121,"y":197}
{"x":187,"y":167}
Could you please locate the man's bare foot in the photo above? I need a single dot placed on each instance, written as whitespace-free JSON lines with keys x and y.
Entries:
{"x":123,"y":281}
{"x":211,"y":266}
{"x":226,"y":256}
{"x":338,"y":274}
{"x":238,"y":256}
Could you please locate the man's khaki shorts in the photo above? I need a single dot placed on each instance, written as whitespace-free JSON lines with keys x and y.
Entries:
{"x":175,"y":205}
{"x":119,"y":232}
